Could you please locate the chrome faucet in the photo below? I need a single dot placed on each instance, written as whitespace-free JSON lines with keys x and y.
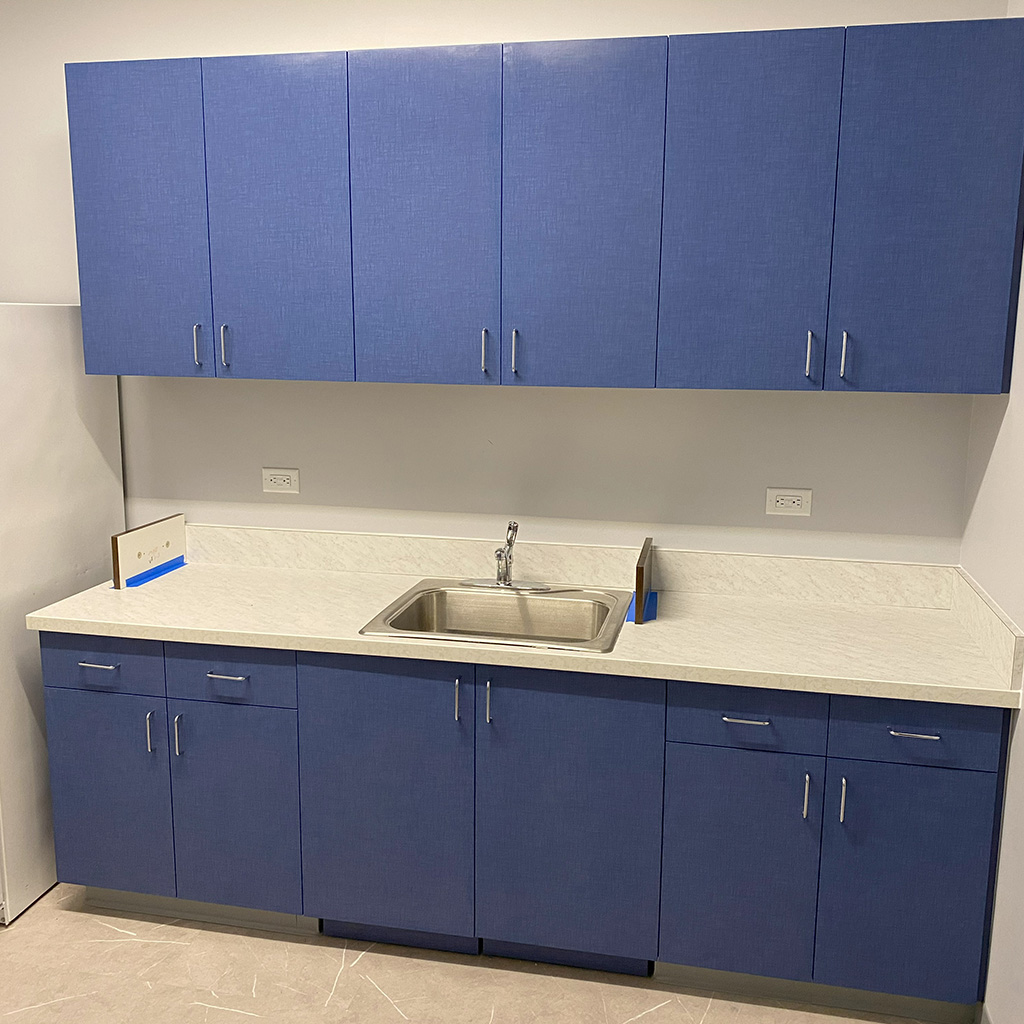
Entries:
{"x":504,"y":556}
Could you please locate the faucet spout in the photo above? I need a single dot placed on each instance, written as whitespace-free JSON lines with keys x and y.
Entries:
{"x":504,"y":556}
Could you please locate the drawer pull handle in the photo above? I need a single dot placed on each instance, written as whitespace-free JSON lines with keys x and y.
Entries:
{"x":842,"y":804}
{"x":483,"y":350}
{"x":195,"y":344}
{"x":807,"y":792}
{"x":230,"y":679}
{"x":456,"y":700}
{"x":488,"y":708}
{"x":914,"y":735}
{"x":515,"y":340}
{"x":807,"y":362}
{"x":842,"y":360}
{"x":177,"y":740}
{"x":223,"y":345}
{"x":149,"y":732}
{"x":106,"y":668}
{"x":745,"y":721}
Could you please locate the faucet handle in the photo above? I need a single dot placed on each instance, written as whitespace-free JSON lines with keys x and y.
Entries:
{"x":513,"y":529}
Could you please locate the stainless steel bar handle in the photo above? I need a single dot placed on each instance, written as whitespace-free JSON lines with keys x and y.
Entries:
{"x":106,"y":668}
{"x":842,"y":359}
{"x":914,"y":735}
{"x":223,"y":345}
{"x":456,"y":700}
{"x":745,"y":721}
{"x":233,"y":679}
{"x":177,"y":740}
{"x":488,"y":708}
{"x":195,"y":344}
{"x":807,"y":792}
{"x":842,"y":804}
{"x":149,"y":733}
{"x":483,"y":350}
{"x":515,"y":339}
{"x":807,"y":362}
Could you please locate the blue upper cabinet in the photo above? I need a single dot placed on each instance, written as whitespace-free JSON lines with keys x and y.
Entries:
{"x":280,"y":246}
{"x":582,"y":168}
{"x":925,"y":257}
{"x":425,"y":130}
{"x":750,"y":169}
{"x":140,"y":214}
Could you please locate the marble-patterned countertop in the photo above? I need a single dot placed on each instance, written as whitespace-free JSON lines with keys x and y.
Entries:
{"x":885,"y":650}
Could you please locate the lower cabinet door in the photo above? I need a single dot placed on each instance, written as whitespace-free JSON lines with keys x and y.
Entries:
{"x":234,"y":775}
{"x":111,"y":790}
{"x":740,"y":866}
{"x":905,"y":868}
{"x":387,"y":792}
{"x":570,"y":771}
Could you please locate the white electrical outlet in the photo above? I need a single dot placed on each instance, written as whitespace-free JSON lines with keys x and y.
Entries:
{"x":788,"y":501}
{"x":281,"y":481}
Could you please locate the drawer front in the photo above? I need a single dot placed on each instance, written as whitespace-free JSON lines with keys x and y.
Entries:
{"x":112,"y":663}
{"x":735,"y":716}
{"x":916,"y":732}
{"x":233,"y":675}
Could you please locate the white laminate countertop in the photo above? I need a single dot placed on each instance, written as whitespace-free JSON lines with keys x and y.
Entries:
{"x":918,"y":653}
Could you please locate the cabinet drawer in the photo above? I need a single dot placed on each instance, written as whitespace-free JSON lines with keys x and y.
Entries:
{"x":235,"y":675}
{"x":739,"y":716}
{"x":111,"y":663}
{"x":916,"y":732}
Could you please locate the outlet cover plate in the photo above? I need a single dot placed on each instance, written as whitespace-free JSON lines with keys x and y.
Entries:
{"x":281,"y":481}
{"x":788,"y":501}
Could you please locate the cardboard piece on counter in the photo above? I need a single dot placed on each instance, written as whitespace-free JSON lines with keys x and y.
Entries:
{"x":149,"y":551}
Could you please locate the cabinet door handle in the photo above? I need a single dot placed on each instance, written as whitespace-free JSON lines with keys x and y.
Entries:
{"x":456,"y":700}
{"x":842,"y":359}
{"x":842,"y":804}
{"x":195,"y":344}
{"x":807,"y":792}
{"x":177,"y":740}
{"x":232,"y":679}
{"x":914,"y":735}
{"x":106,"y":668}
{"x":515,"y":339}
{"x":488,"y":708}
{"x":223,"y":345}
{"x":483,"y":350}
{"x":149,"y":733}
{"x":745,"y":721}
{"x":807,"y":361}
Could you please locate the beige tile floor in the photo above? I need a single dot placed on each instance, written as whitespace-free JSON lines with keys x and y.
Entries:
{"x":61,"y":961}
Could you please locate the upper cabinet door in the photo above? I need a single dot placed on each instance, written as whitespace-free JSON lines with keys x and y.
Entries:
{"x":925,"y":258}
{"x":426,"y":213}
{"x":280,"y":246}
{"x":140,"y":215}
{"x":582,"y":169}
{"x":750,"y":170}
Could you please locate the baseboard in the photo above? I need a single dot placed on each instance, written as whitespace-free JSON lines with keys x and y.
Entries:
{"x":193,"y":910}
{"x":730,"y":984}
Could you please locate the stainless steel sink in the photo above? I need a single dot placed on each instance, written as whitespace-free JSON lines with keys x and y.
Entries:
{"x":563,"y":618}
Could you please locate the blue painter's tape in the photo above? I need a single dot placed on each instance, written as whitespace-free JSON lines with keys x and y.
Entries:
{"x":157,"y":570}
{"x":650,"y":608}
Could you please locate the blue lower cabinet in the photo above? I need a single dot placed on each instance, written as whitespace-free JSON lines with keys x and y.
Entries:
{"x":570,"y":771}
{"x":234,"y":775}
{"x":111,"y":790}
{"x":906,"y":869}
{"x":387,"y":796}
{"x":740,"y":868}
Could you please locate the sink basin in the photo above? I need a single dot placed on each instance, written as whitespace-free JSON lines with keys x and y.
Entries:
{"x":563,"y":617}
